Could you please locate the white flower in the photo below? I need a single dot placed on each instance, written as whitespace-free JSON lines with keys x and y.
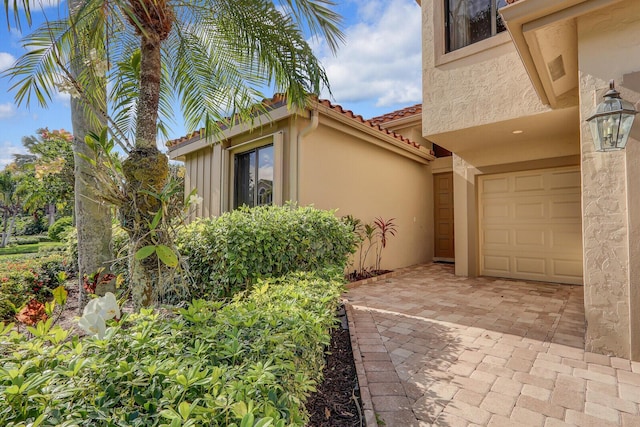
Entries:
{"x":100,"y":66}
{"x":93,"y":324}
{"x":97,"y":312}
{"x":65,"y":86}
{"x":109,"y":306}
{"x":195,"y":199}
{"x":93,"y":307}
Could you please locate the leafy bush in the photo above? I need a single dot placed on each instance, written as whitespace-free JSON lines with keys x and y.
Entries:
{"x":251,"y":362}
{"x":24,"y":279}
{"x":34,"y":226}
{"x":59,"y":227}
{"x":228,"y":253}
{"x":119,"y":242}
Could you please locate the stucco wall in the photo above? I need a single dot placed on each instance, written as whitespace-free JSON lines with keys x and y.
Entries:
{"x":486,"y":83}
{"x":366,"y":181}
{"x":609,"y":48}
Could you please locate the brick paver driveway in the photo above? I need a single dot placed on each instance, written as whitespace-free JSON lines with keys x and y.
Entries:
{"x":435,"y":349}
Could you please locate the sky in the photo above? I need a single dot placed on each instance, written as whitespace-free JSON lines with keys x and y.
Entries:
{"x":376,"y":70}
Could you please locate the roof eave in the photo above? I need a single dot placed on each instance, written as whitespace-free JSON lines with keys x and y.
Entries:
{"x":178,"y":151}
{"x":419,"y":153}
{"x":527,"y":15}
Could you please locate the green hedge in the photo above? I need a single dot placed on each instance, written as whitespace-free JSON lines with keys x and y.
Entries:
{"x":57,"y":228}
{"x":251,"y":362}
{"x":228,"y":253}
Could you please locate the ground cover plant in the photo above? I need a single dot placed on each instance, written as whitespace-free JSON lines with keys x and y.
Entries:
{"x":23,"y":279}
{"x":250,"y":362}
{"x":229,"y":253}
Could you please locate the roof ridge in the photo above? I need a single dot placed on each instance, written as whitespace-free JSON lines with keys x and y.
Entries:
{"x":398,"y":114}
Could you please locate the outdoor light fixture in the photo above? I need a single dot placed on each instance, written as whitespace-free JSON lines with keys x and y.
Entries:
{"x":612,"y":121}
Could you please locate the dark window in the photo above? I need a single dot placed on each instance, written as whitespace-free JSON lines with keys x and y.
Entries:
{"x":469,"y":21}
{"x":253,"y":177}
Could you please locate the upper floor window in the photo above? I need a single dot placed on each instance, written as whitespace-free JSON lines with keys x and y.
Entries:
{"x":469,"y":21}
{"x":253,"y":177}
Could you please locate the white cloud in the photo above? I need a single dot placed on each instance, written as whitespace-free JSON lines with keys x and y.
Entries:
{"x":7,"y":150}
{"x":6,"y":60}
{"x":63,"y":98}
{"x":7,"y":110}
{"x":381,"y":59}
{"x":37,"y":5}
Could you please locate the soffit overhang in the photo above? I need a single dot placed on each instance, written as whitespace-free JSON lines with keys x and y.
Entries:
{"x":545,"y":35}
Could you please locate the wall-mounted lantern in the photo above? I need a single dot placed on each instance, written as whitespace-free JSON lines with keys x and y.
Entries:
{"x":612,"y":121}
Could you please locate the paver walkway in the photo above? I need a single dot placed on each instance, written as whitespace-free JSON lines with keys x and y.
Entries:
{"x":435,"y":349}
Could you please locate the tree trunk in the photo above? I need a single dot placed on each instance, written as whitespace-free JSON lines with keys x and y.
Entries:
{"x":7,"y":234}
{"x":5,"y":224}
{"x":51,"y":212}
{"x":146,"y":168}
{"x":93,"y":218}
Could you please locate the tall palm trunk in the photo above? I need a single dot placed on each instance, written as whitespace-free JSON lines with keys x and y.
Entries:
{"x":93,"y":218}
{"x":146,"y":168}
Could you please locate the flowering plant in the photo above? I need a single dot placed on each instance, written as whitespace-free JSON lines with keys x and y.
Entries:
{"x":97,"y":312}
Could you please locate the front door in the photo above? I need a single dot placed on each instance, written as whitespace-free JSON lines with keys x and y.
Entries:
{"x":443,"y":216}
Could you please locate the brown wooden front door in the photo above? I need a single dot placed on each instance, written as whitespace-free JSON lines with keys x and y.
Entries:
{"x":443,"y":216}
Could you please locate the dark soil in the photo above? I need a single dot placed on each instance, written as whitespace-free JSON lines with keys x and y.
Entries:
{"x":365,"y":274}
{"x":337,"y":401}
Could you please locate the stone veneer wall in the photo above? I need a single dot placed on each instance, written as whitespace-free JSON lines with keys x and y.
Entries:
{"x":609,"y":48}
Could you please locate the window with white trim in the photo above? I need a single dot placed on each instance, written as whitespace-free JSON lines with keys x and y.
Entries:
{"x":470,"y":21}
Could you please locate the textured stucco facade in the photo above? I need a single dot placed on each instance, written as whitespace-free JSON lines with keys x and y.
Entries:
{"x":611,"y":208}
{"x":468,"y":88}
{"x":474,"y":97}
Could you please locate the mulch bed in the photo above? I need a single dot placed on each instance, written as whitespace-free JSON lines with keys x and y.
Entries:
{"x":337,"y":400}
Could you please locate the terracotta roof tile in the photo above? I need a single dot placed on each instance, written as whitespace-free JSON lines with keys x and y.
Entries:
{"x":398,"y":114}
{"x":369,"y":122}
{"x":278,"y":101}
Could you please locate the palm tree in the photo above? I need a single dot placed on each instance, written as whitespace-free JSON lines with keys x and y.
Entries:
{"x":211,"y":56}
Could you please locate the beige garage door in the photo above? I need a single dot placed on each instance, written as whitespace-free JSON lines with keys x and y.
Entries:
{"x":530,"y":225}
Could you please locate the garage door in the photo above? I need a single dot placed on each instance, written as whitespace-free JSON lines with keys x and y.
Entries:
{"x":530,"y":225}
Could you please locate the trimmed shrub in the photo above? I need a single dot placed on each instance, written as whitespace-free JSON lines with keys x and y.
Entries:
{"x":229,"y":253}
{"x":251,"y":362}
{"x":58,"y":227}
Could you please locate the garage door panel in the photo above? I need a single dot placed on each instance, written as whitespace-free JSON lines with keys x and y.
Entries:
{"x":497,"y":211}
{"x":565,"y":180}
{"x":498,"y":264}
{"x":496,"y":185}
{"x":565,"y":209}
{"x":571,"y":269}
{"x":568,"y":241}
{"x":530,"y":225}
{"x":497,"y":237}
{"x":530,"y":210}
{"x":536,"y":238}
{"x":528,"y":183}
{"x":533,"y":265}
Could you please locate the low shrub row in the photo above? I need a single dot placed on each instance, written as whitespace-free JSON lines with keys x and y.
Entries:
{"x":229,"y":253}
{"x":22,"y":279}
{"x":251,"y":362}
